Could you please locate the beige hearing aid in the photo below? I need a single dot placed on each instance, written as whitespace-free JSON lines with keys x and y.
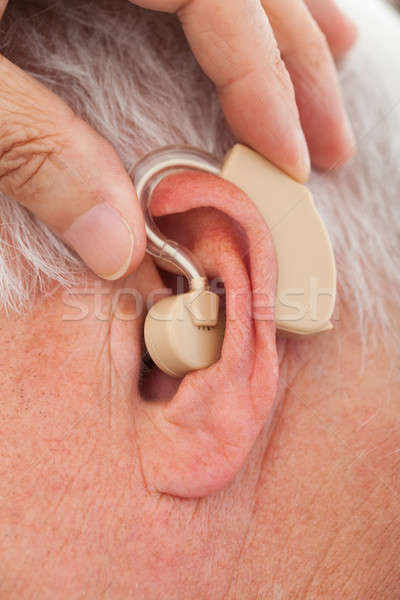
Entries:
{"x":184,"y":333}
{"x":306,"y":285}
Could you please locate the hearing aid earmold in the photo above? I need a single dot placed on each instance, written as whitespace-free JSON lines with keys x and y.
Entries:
{"x":184,"y":333}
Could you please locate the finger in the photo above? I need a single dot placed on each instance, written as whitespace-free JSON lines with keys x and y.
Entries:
{"x":234,"y":44}
{"x":339,"y":30}
{"x":67,"y":175}
{"x":313,"y":73}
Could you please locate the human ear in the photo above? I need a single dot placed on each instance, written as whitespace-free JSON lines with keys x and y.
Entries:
{"x":196,"y":442}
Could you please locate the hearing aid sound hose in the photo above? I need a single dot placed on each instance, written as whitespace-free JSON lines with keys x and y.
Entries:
{"x":184,"y":333}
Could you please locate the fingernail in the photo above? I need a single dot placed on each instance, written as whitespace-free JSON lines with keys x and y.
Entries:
{"x":303,"y":160}
{"x":103,"y":239}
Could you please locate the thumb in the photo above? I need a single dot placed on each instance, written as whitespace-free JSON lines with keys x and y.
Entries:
{"x":53,"y":163}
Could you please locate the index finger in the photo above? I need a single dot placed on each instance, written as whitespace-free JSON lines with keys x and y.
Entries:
{"x":235,"y":46}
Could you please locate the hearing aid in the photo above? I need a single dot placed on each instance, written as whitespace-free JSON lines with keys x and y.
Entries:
{"x":184,"y":333}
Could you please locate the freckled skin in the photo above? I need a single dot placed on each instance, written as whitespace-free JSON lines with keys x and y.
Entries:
{"x":307,"y":505}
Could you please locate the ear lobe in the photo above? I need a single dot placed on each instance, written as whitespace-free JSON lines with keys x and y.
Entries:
{"x":195,"y":444}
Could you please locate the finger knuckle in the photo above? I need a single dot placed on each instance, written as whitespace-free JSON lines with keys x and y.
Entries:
{"x":24,"y":151}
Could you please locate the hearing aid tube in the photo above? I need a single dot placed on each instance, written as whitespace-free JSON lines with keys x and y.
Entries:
{"x":147,"y":174}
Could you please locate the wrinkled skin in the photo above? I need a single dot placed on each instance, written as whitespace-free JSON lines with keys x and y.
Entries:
{"x":305,"y":499}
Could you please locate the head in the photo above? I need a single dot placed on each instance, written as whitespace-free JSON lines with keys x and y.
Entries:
{"x":119,"y":480}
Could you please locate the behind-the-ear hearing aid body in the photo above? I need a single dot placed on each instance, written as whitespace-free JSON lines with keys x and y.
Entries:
{"x":183,"y":333}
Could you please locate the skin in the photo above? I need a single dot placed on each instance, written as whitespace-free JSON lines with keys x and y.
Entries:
{"x":271,"y":57}
{"x":92,"y":507}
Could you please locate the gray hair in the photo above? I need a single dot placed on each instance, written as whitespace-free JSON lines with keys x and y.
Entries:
{"x":130,"y":74}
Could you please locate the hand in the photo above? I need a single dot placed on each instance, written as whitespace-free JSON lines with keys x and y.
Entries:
{"x":267,"y":70}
